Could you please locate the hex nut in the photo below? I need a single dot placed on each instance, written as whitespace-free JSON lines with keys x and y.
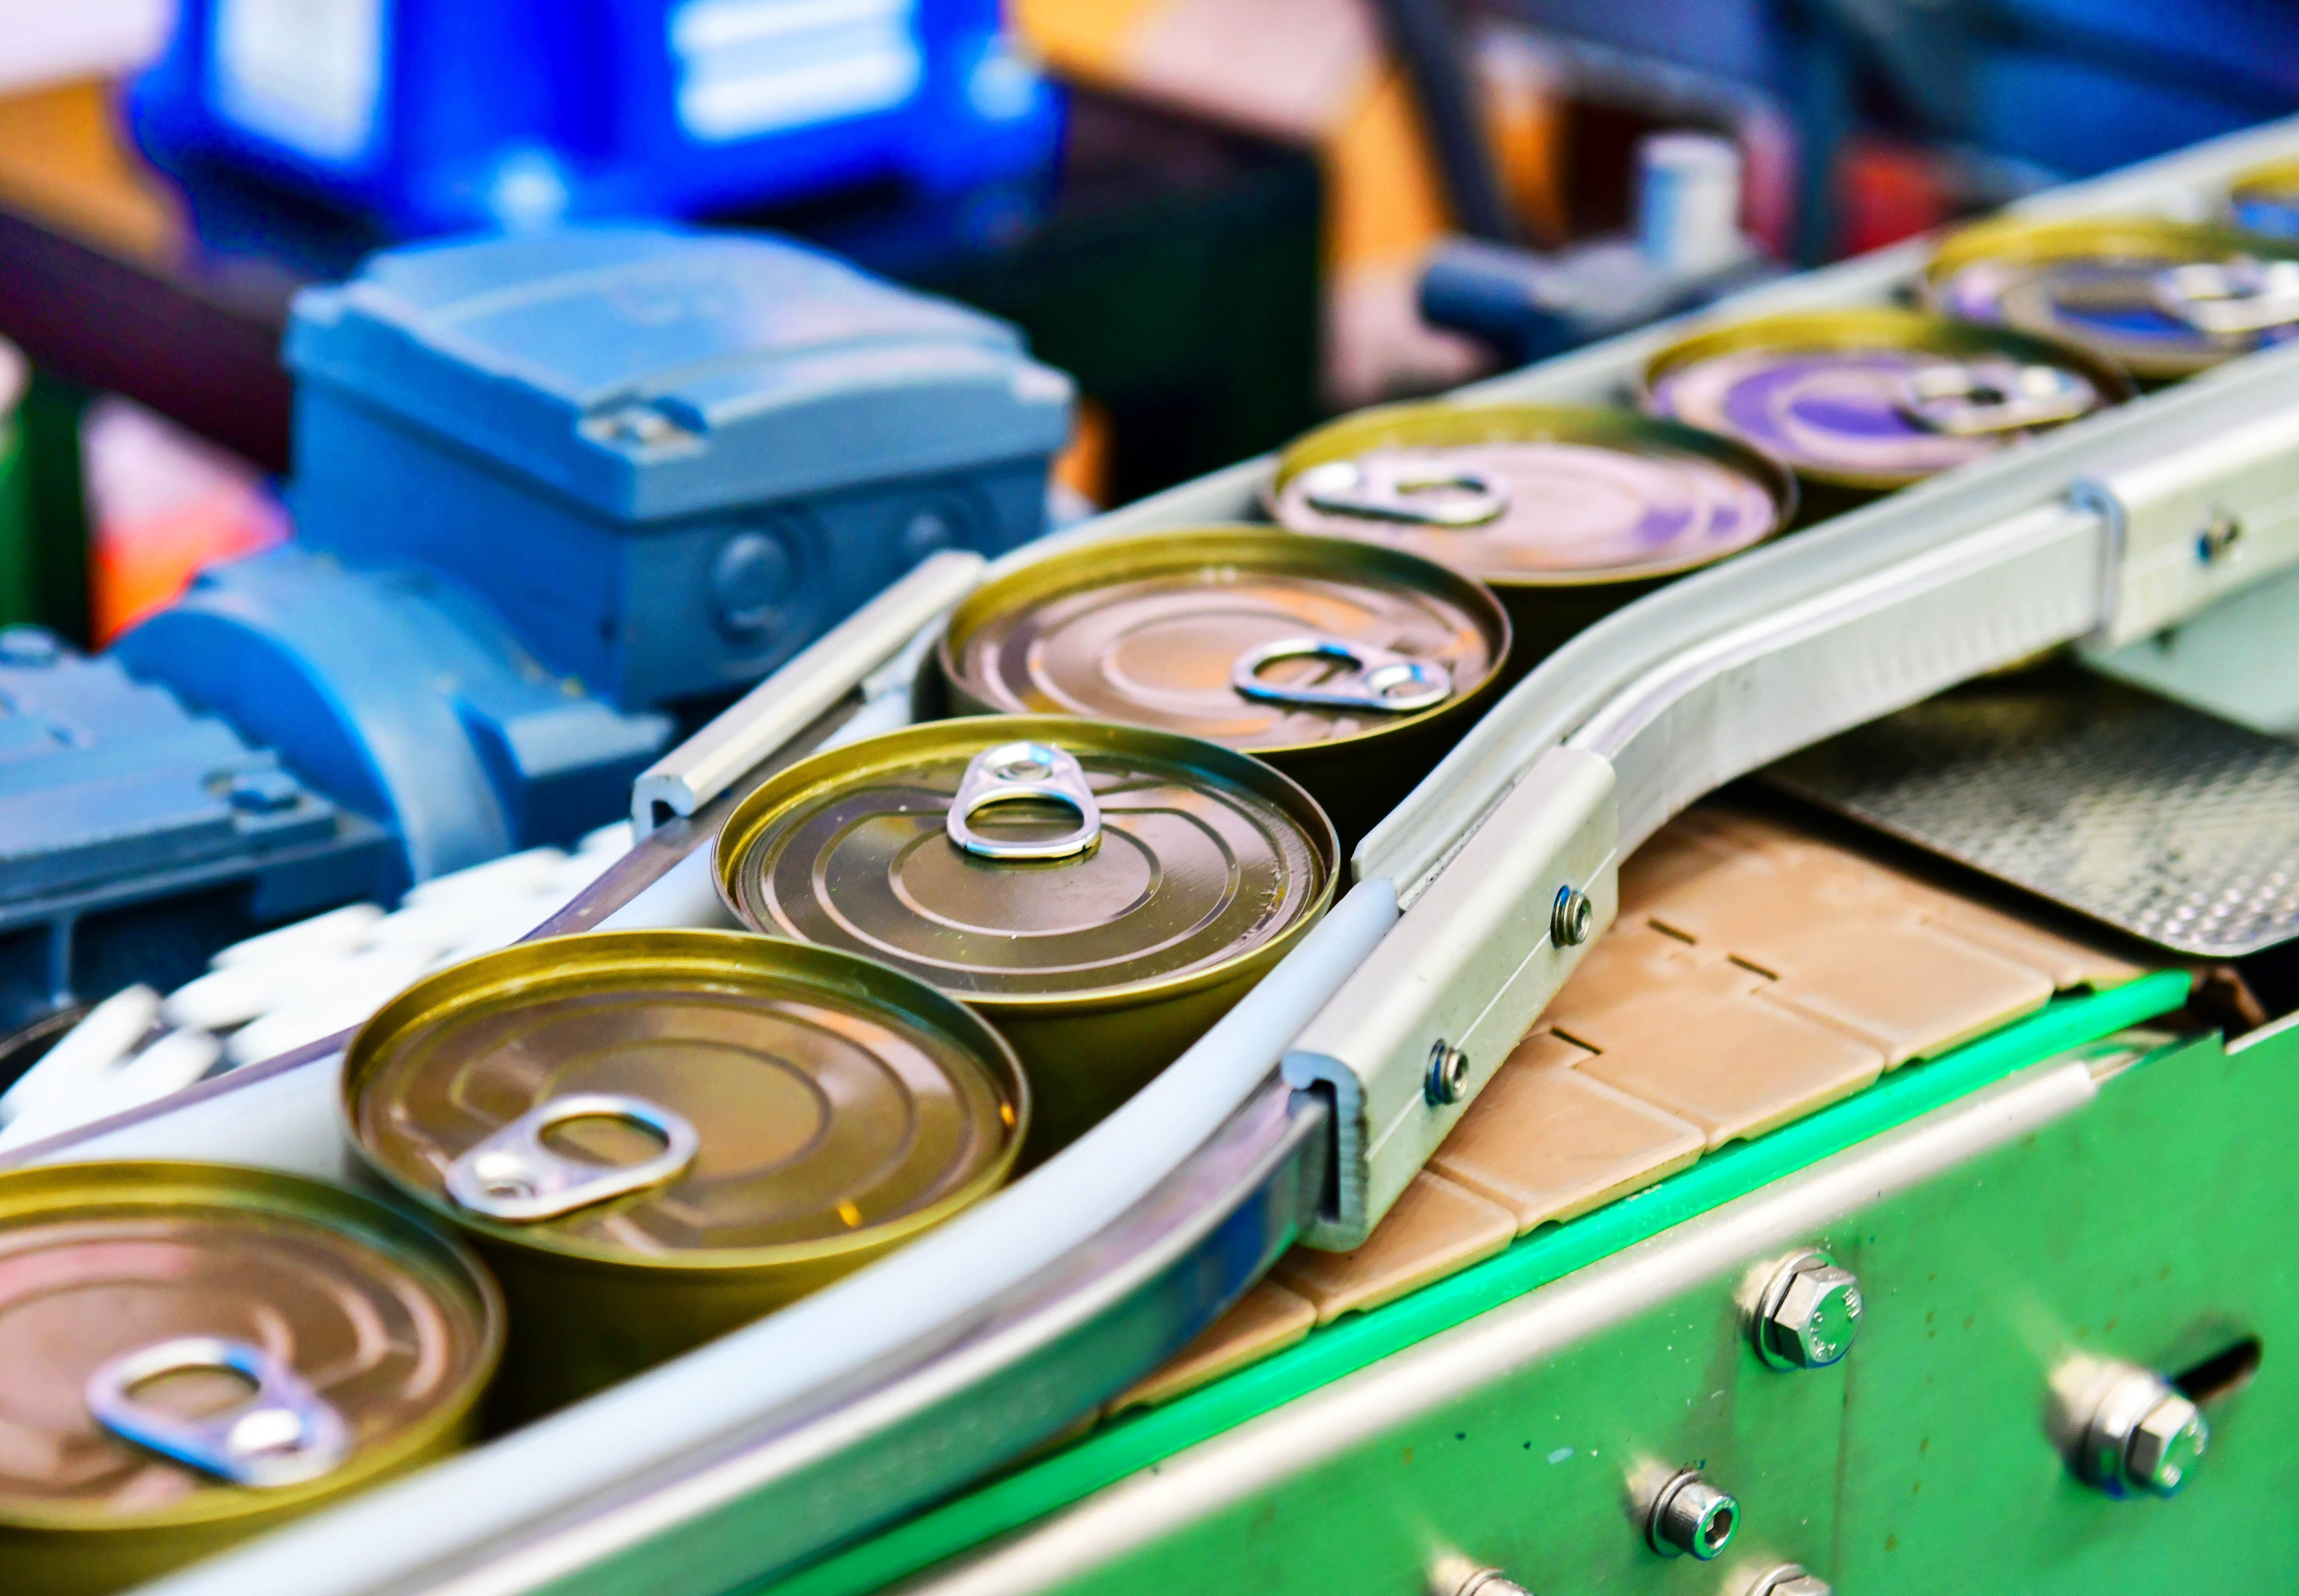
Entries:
{"x":2165,"y":1446}
{"x":1691,"y":1517}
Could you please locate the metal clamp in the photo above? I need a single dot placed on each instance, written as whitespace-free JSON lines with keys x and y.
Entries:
{"x":1379,"y":679}
{"x":512,"y":1176}
{"x":1422,"y":492}
{"x":282,"y":1434}
{"x":2228,"y":298}
{"x":1015,"y":770}
{"x":1966,"y":402}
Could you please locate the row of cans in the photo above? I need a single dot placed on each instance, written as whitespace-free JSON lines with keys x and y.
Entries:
{"x":1138,"y":767}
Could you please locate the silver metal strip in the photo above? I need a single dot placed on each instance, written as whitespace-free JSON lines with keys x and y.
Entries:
{"x":771,"y":714}
{"x":1262,"y":1454}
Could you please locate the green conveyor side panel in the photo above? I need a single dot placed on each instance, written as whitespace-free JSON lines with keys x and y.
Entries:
{"x":1139,"y":1440}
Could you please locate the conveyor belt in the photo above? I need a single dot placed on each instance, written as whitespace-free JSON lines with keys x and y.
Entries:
{"x":912,"y":1377}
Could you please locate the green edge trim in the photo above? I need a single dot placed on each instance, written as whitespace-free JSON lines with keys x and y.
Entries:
{"x":1130,"y":1444}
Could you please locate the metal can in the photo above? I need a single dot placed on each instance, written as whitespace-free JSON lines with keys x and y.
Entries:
{"x":2265,"y":199}
{"x":1861,"y":401}
{"x":655,"y":1136}
{"x":2163,"y":299}
{"x":1567,"y":511}
{"x":191,"y":1353}
{"x":1101,"y":893}
{"x":1351,"y":668}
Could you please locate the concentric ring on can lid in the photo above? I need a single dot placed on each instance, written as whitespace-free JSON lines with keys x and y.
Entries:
{"x":836,"y":1106}
{"x":1160,"y":630}
{"x":389,"y":1329}
{"x":1204,"y":858}
{"x":1523,"y":495}
{"x":2114,"y":287}
{"x":1876,"y":398}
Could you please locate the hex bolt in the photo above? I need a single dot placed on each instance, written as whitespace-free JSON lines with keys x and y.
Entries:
{"x":1791,"y":1579}
{"x":1448,"y":1074}
{"x":1808,"y":1314}
{"x":2216,"y":539}
{"x":1571,"y":917}
{"x":1691,"y":1517}
{"x":2143,"y":1436}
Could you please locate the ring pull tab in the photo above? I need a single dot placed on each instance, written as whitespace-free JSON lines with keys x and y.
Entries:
{"x":1422,"y":492}
{"x":1015,"y":770}
{"x":1965,"y":401}
{"x":1378,"y":679}
{"x":282,"y":1433}
{"x":512,"y":1176}
{"x":2227,"y":298}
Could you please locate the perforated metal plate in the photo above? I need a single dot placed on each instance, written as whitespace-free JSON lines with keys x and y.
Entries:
{"x":2157,"y":819}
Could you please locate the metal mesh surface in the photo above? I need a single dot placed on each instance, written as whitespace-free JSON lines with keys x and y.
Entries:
{"x":2158,"y":819}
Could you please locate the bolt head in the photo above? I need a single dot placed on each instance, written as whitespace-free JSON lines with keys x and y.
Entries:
{"x":1817,"y":1318}
{"x":1791,"y":1580}
{"x":2165,"y":1446}
{"x":1571,"y":918}
{"x":1448,"y":1074}
{"x":1692,"y":1519}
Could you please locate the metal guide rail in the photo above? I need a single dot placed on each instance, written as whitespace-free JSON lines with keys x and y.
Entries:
{"x":1469,"y":905}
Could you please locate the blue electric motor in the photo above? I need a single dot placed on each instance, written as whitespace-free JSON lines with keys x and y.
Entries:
{"x":443,"y":115}
{"x":552,"y":493}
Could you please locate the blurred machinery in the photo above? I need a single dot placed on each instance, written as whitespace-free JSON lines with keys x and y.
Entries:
{"x":435,"y":116}
{"x":554,"y":494}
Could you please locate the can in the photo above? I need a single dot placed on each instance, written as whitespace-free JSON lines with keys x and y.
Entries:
{"x":1348,"y":667}
{"x":1567,"y":511}
{"x":191,"y":1353}
{"x":655,"y":1136}
{"x":1100,"y":893}
{"x":1861,"y":401}
{"x":2163,"y":299}
{"x":2265,"y":199}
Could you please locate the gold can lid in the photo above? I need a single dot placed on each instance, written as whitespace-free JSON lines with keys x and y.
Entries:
{"x":1532,"y":495}
{"x":2162,"y":298}
{"x":1032,"y":857}
{"x":1251,"y":638}
{"x":185,"y":1343}
{"x":684,"y":1098}
{"x":1876,"y":398}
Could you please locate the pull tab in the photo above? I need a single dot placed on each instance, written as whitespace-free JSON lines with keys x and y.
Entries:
{"x":1024,"y":770}
{"x":1381,"y":679}
{"x":282,"y":1434}
{"x":1965,"y":401}
{"x":512,"y":1176}
{"x":2228,"y":297}
{"x":1424,"y":493}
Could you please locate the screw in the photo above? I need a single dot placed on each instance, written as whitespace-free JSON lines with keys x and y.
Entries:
{"x":1691,"y":1517}
{"x":1571,"y":917}
{"x":2218,"y":537}
{"x":1448,"y":1074}
{"x":1808,"y":1314}
{"x":2143,"y":1436}
{"x":1791,"y":1579}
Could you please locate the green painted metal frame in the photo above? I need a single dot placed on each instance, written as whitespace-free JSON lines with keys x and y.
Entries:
{"x":1142,"y":1440}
